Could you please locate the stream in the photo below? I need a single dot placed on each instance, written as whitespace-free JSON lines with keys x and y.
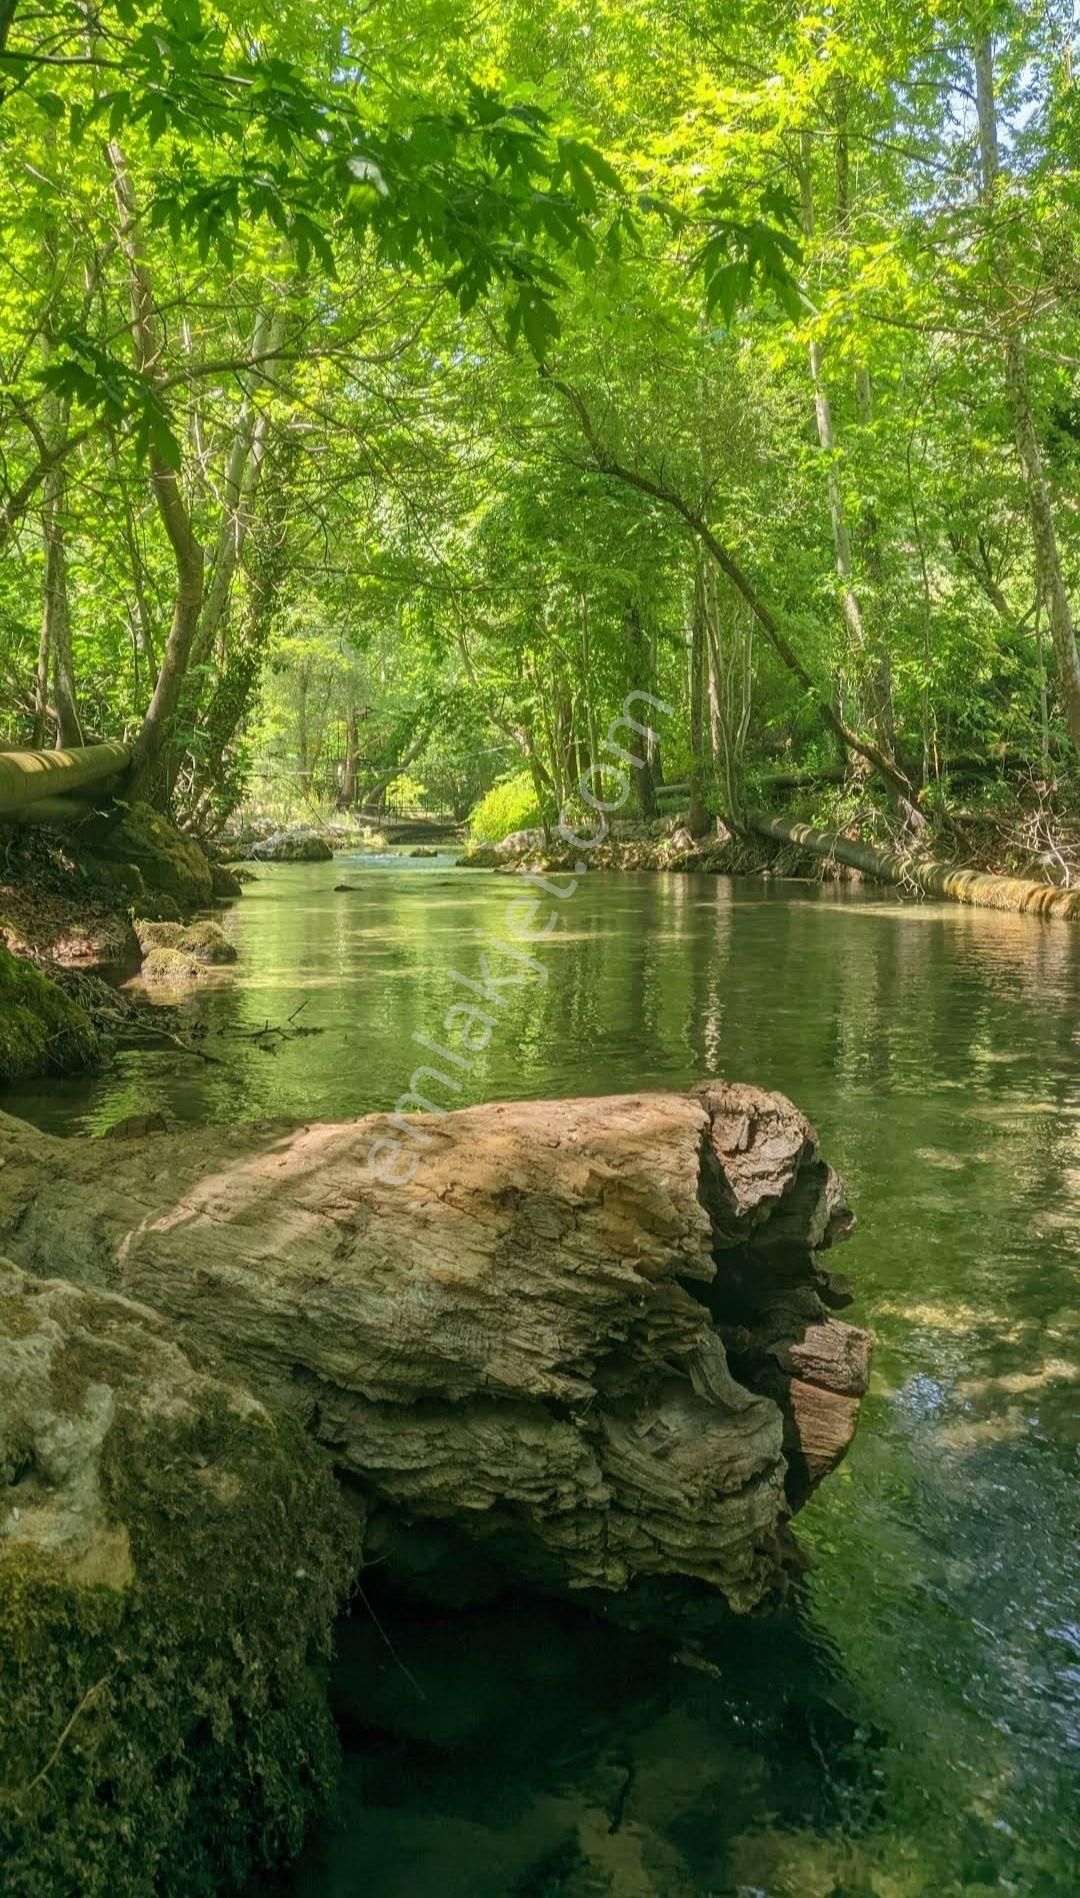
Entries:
{"x":915,"y":1727}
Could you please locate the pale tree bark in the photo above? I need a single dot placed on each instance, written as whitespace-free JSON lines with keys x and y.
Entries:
{"x":352,"y":757}
{"x":698,"y":820}
{"x":168,"y":495}
{"x":641,"y":654}
{"x":240,"y":487}
{"x":56,"y":612}
{"x":1051,"y":579}
{"x":871,"y":655}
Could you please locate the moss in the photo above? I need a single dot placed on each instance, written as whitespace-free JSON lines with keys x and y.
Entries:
{"x":164,"y":1726}
{"x":225,"y":881}
{"x":42,"y":1031}
{"x":202,"y":942}
{"x":156,"y":908}
{"x":168,"y":863}
{"x":16,"y":1318}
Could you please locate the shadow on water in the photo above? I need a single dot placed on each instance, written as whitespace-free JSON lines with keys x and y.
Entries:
{"x":527,"y":1748}
{"x":915,"y":1734}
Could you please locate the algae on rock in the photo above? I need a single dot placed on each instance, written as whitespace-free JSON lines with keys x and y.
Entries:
{"x":172,"y":1555}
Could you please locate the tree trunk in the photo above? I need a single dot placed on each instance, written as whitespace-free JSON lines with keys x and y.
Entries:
{"x":352,"y":758}
{"x":975,"y":887}
{"x":1051,"y":580}
{"x":56,"y":613}
{"x":641,"y":680}
{"x":187,"y":552}
{"x":593,"y":1335}
{"x":698,"y":816}
{"x":869,"y":654}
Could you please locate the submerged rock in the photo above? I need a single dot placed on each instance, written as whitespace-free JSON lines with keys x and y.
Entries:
{"x":292,"y":846}
{"x":171,"y":1556}
{"x":42,"y":1030}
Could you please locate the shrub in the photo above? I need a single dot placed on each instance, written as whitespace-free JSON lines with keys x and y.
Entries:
{"x":511,"y":804}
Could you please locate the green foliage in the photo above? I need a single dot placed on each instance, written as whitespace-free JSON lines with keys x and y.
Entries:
{"x":509,"y":805}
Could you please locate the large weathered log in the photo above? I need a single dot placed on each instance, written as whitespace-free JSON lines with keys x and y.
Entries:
{"x":526,"y":1340}
{"x":27,"y":777}
{"x":978,"y":888}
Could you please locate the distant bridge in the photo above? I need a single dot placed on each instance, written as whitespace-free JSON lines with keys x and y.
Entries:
{"x":42,"y":787}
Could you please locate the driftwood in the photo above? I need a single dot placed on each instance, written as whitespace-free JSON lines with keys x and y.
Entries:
{"x":594,"y":1335}
{"x":978,"y":888}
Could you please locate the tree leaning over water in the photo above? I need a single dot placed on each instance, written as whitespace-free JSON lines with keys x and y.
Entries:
{"x":383,"y":397}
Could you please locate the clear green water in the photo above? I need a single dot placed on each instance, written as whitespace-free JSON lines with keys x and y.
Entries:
{"x":915,"y":1729}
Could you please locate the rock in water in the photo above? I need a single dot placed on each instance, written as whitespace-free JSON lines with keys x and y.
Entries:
{"x":594,"y":1336}
{"x":171,"y":1556}
{"x":292,"y":846}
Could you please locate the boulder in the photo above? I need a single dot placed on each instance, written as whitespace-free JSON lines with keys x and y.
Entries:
{"x":42,"y":1029}
{"x":292,"y":846}
{"x":167,"y":863}
{"x":226,"y":883}
{"x":520,"y":841}
{"x":178,"y":953}
{"x":204,"y":942}
{"x":172,"y":1553}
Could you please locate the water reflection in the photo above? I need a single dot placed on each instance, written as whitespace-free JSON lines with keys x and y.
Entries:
{"x":937,"y":1050}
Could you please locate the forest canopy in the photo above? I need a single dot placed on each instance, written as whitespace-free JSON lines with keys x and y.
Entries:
{"x":387,"y":392}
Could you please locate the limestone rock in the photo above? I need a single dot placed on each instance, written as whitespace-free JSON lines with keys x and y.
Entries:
{"x":292,"y":846}
{"x":171,"y":1556}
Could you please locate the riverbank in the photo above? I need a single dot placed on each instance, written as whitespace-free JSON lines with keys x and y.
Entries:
{"x":124,"y":898}
{"x":1012,"y":833}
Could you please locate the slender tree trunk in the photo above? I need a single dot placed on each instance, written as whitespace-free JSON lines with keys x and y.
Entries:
{"x":352,"y":758}
{"x":56,"y":613}
{"x":590,"y":704}
{"x":1048,"y":567}
{"x":41,"y":686}
{"x":243,"y":473}
{"x":165,"y":485}
{"x":870,"y":654}
{"x":641,"y":680}
{"x":698,"y":817}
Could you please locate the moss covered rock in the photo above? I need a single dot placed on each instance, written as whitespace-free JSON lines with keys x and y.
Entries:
{"x":204,"y":942}
{"x":171,"y":1557}
{"x":226,"y":883}
{"x":167,"y":863}
{"x":42,"y":1030}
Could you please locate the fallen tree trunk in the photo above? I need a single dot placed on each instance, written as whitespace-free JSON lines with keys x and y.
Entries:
{"x":976,"y":887}
{"x":594,"y":1335}
{"x":26,"y":777}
